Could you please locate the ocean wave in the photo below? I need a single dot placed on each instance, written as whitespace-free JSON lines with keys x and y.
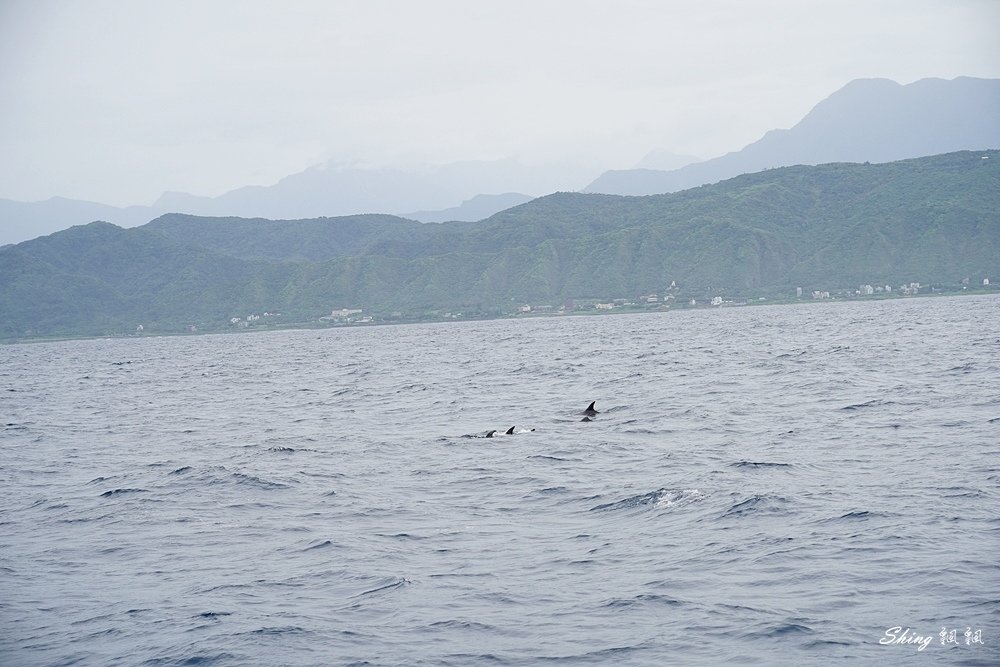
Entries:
{"x":454,"y":624}
{"x":776,"y":488}
{"x":190,"y":660}
{"x":395,"y":584}
{"x":779,"y":631}
{"x":325,"y":544}
{"x":258,"y":482}
{"x":643,"y":599}
{"x":757,"y":504}
{"x":874,"y":403}
{"x":858,"y":515}
{"x":759,"y":464}
{"x":962,"y":369}
{"x":653,"y":499}
{"x":121,"y":492}
{"x":278,"y":630}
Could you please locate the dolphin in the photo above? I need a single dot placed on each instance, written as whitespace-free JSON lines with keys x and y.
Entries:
{"x":590,"y":411}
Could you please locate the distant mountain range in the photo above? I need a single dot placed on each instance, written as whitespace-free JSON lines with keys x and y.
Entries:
{"x":457,"y":191}
{"x":333,"y":190}
{"x":868,"y":120}
{"x":933,"y":219}
{"x":872,"y":120}
{"x":20,"y":221}
{"x":479,"y":207}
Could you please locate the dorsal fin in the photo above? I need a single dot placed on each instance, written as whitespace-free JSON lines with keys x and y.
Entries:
{"x":489,"y":434}
{"x":591,"y":410}
{"x":510,"y":431}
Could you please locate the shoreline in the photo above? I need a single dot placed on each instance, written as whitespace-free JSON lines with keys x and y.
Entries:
{"x":319,"y":326}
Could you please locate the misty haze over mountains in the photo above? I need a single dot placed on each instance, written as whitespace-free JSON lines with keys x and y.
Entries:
{"x":458,"y":191}
{"x":868,"y":120}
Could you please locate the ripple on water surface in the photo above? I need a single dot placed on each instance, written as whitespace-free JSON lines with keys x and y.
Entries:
{"x":777,"y":485}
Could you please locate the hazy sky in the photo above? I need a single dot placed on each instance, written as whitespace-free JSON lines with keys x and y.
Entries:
{"x":118,"y":101}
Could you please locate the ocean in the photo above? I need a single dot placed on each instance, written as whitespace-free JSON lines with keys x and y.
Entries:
{"x":779,"y":485}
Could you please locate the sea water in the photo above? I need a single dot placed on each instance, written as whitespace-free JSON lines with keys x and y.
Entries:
{"x":770,"y":485}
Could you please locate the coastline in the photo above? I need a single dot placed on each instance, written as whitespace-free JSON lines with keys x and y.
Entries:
{"x":319,"y":325}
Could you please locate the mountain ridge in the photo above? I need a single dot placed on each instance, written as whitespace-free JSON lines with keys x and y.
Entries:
{"x":817,"y":227}
{"x":433,"y":194}
{"x":867,"y":120}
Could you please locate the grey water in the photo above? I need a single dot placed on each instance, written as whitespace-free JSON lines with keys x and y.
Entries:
{"x":772,"y":485}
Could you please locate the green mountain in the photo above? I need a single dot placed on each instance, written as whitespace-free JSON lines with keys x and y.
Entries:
{"x":932,"y":220}
{"x":310,"y":240}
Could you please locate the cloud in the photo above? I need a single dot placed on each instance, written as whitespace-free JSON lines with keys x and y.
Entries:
{"x":118,"y":101}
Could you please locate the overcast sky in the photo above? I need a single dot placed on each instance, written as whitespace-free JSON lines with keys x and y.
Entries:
{"x":118,"y":101}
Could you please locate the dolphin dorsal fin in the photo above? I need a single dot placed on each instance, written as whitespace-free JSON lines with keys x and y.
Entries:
{"x":590,"y":408}
{"x":510,"y":431}
{"x":490,"y":433}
